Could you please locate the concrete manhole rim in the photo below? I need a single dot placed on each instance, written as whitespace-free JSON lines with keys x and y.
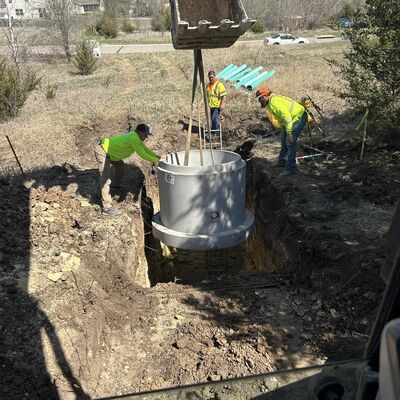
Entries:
{"x":192,"y":241}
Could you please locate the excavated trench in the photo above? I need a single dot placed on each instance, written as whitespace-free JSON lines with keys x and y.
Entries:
{"x":208,"y":315}
{"x":265,"y":251}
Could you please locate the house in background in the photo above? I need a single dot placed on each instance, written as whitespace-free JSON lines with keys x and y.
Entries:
{"x":36,"y":9}
{"x":88,"y":6}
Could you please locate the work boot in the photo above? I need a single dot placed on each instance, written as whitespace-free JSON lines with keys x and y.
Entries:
{"x":110,"y":212}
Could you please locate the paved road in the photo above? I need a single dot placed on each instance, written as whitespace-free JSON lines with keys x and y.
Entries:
{"x":153,"y":48}
{"x":146,"y":48}
{"x":157,"y":48}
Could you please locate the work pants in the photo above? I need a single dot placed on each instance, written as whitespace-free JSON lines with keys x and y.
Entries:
{"x":215,"y":120}
{"x":104,"y":164}
{"x":287,"y":155}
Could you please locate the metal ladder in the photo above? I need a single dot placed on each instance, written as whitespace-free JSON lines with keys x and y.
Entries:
{"x":215,"y":140}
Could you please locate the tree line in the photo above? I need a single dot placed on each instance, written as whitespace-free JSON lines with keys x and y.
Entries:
{"x":292,"y":15}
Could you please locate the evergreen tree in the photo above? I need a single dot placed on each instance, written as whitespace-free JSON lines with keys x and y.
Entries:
{"x":371,"y":68}
{"x":84,"y":59}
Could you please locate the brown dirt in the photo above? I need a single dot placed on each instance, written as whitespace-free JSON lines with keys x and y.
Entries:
{"x":79,"y":319}
{"x":78,"y":315}
{"x":328,"y":225}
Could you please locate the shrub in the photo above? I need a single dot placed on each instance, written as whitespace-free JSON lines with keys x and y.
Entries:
{"x":371,"y":68}
{"x":90,"y":30}
{"x":161,"y":21}
{"x":50,"y":92}
{"x":31,"y":80}
{"x":107,"y":27}
{"x":258,"y":27}
{"x":84,"y":59}
{"x":127,"y":26}
{"x":14,"y":89}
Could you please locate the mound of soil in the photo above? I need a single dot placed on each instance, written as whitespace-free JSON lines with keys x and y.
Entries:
{"x":82,"y":314}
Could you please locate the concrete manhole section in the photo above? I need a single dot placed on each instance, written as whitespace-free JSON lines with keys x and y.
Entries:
{"x":203,"y":207}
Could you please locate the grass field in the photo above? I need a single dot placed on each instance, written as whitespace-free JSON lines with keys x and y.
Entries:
{"x":154,"y":88}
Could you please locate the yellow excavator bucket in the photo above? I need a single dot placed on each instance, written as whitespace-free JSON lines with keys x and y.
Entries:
{"x":207,"y":24}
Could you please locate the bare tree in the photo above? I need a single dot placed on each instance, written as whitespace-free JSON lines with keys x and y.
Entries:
{"x":62,"y":11}
{"x":256,"y":8}
{"x":288,"y":15}
{"x":13,"y":36}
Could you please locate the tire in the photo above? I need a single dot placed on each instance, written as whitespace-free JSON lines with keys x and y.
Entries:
{"x":301,"y":42}
{"x":276,"y":44}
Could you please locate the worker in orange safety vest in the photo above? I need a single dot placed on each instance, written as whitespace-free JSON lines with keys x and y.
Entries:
{"x":216,"y":94}
{"x":292,"y":118}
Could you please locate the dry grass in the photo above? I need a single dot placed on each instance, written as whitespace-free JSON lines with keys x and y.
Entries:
{"x":149,"y":87}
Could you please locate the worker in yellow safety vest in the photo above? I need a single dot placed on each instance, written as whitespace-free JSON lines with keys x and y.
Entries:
{"x":112,"y":151}
{"x":292,"y":118}
{"x":216,"y":94}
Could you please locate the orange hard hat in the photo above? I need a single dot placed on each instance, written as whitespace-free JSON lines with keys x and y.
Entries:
{"x":262,"y":91}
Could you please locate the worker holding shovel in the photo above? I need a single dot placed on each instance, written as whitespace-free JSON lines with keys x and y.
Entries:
{"x":112,"y":151}
{"x":292,"y":118}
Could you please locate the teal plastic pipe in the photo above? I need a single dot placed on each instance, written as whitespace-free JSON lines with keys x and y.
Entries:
{"x":233,"y":68}
{"x":221,"y":73}
{"x":269,"y":75}
{"x":259,"y":80}
{"x":248,"y":76}
{"x":239,"y":75}
{"x":239,"y":69}
{"x":254,"y":79}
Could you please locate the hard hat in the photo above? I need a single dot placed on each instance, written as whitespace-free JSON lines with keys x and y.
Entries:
{"x":262,"y":91}
{"x":143,"y":128}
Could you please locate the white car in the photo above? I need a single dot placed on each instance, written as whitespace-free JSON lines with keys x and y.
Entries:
{"x":284,"y":38}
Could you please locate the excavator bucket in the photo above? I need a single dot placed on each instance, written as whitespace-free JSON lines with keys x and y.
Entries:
{"x":207,"y":24}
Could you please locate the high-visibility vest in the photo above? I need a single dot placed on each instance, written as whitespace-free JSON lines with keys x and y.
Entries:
{"x":215,"y":93}
{"x":277,"y":126}
{"x":122,"y":146}
{"x":286,"y":110}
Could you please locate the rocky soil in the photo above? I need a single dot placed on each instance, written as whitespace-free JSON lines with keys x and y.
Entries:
{"x":82,"y":314}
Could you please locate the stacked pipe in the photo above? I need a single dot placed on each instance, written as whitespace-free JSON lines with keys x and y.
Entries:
{"x":245,"y":77}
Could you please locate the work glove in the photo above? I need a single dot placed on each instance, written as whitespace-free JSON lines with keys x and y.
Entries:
{"x":289,"y":138}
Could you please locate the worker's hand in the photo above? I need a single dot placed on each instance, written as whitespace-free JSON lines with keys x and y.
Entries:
{"x":289,"y":138}
{"x":221,"y":107}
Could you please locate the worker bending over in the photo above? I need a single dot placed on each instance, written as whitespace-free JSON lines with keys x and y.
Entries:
{"x":112,"y":151}
{"x":292,"y":118}
{"x":216,"y":100}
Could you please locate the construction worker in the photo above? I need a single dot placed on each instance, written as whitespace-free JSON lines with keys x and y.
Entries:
{"x":292,"y":119}
{"x":216,"y":94}
{"x":112,"y":151}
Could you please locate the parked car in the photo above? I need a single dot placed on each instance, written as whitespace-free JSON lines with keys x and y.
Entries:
{"x":284,"y":38}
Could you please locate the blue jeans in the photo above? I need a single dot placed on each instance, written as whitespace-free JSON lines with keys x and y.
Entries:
{"x":287,"y":155}
{"x":215,"y":119}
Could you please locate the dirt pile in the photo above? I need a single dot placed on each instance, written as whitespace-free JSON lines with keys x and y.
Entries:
{"x":60,"y":260}
{"x":79,"y":318}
